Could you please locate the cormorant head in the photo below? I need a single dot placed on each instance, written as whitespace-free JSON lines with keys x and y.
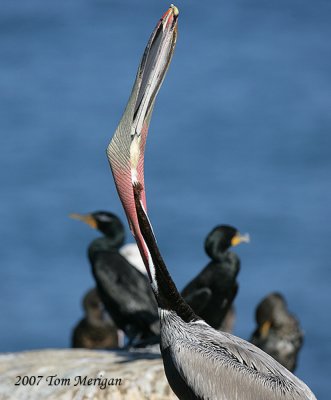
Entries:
{"x":92,"y":304}
{"x":107,"y":223}
{"x":94,"y":309}
{"x":221,"y":238}
{"x":271,"y":312}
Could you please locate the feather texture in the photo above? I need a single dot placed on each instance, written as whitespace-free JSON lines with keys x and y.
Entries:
{"x":221,"y":366}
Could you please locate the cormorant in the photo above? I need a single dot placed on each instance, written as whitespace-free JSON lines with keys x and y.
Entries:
{"x":218,"y":278}
{"x":278,"y":332}
{"x":96,"y":330}
{"x":123,"y":289}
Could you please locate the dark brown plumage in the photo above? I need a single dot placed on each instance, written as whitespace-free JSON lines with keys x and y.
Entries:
{"x":96,"y":330}
{"x":278,"y":332}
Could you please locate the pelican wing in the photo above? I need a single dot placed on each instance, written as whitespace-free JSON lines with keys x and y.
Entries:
{"x":221,"y":366}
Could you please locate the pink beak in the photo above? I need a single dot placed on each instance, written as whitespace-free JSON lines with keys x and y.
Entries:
{"x":126,"y":150}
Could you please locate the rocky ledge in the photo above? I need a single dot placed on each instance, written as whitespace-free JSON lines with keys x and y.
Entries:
{"x":83,"y":374}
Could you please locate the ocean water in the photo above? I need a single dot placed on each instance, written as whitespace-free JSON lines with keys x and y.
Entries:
{"x":240,"y":134}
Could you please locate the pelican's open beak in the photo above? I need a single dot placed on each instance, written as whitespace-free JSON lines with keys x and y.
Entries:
{"x":153,"y":67}
{"x":87,"y":218}
{"x":126,"y":150}
{"x":239,"y":238}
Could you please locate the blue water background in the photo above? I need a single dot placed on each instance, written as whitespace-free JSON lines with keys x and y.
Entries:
{"x":240,"y":134}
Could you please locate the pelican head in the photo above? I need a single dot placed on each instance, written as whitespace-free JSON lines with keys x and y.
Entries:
{"x":126,"y":149}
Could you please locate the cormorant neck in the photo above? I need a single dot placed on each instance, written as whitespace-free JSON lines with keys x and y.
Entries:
{"x":99,"y":245}
{"x":219,"y":255}
{"x":116,"y":240}
{"x":115,"y":233}
{"x":164,"y":288}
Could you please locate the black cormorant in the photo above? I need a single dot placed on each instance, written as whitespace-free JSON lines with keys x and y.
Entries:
{"x":218,"y":279}
{"x":120,"y":284}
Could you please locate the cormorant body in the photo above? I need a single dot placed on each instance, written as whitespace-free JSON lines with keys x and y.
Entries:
{"x":219,"y":277}
{"x":278,"y":332}
{"x":96,"y":330}
{"x":124,"y":291}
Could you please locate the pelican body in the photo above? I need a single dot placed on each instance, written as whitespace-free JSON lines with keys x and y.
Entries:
{"x":199,"y":361}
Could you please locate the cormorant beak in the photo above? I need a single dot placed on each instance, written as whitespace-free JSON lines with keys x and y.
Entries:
{"x":239,"y":238}
{"x":126,"y":150}
{"x":264,"y":329}
{"x":87,"y":218}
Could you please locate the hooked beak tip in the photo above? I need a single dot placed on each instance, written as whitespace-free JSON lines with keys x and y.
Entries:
{"x":170,"y":15}
{"x":75,"y":216}
{"x":87,"y":218}
{"x":174,"y":10}
{"x":239,"y":238}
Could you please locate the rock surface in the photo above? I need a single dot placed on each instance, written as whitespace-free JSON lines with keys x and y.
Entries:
{"x":122,"y":375}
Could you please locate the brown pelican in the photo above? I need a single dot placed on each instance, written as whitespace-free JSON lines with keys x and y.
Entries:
{"x":200,"y":362}
{"x":219,"y":278}
{"x":278,"y":332}
{"x":96,"y":330}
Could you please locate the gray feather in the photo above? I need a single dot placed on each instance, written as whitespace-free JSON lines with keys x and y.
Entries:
{"x":221,"y":366}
